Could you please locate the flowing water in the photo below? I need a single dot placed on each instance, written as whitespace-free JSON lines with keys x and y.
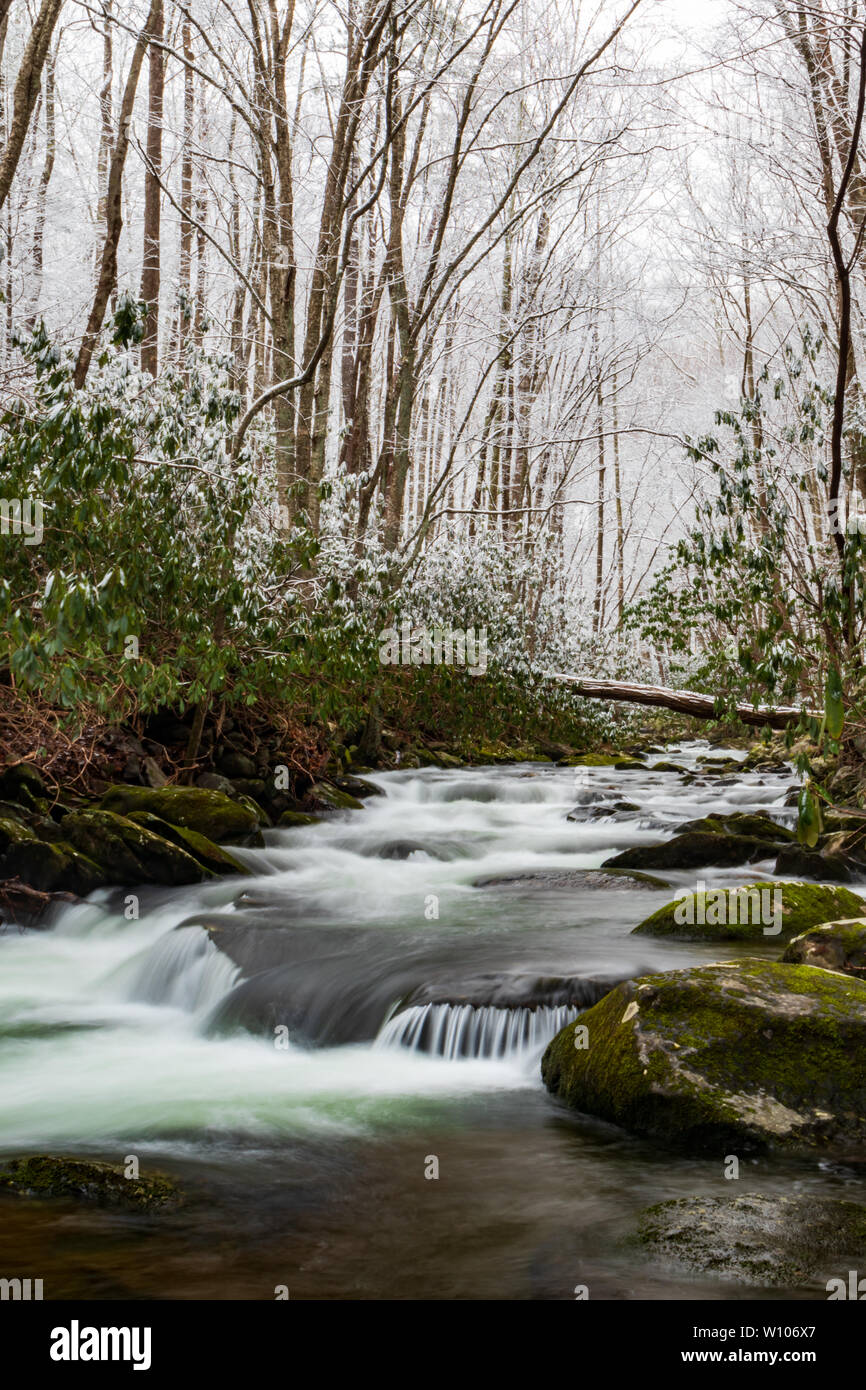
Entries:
{"x":377,"y":1005}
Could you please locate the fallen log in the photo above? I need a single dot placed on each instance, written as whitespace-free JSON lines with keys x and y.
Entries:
{"x":683,"y":701}
{"x":26,"y":906}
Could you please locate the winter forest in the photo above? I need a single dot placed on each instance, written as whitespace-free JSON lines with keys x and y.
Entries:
{"x":432,"y":490}
{"x":467,"y":315}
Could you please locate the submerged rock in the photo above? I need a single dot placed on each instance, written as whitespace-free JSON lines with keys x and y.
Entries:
{"x":572,"y":878}
{"x":694,"y":849}
{"x":766,"y":1241}
{"x":833,"y":946}
{"x":742,"y":1053}
{"x":742,"y":914}
{"x":210,"y":813}
{"x":42,"y":1175}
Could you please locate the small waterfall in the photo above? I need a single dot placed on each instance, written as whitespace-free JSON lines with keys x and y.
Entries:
{"x":453,"y":1031}
{"x":182,"y":969}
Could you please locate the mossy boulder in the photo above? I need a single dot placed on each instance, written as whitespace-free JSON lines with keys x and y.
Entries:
{"x":692,"y":850}
{"x":22,"y":783}
{"x":209,"y":813}
{"x":327,"y":797}
{"x":14,"y":832}
{"x":742,"y":914}
{"x":803,"y":862}
{"x":748,"y":1054}
{"x":292,"y":818}
{"x":763,"y":1240}
{"x":53,"y":868}
{"x":571,"y":879}
{"x":615,"y":760}
{"x":755,"y":823}
{"x":128,"y":852}
{"x":203,"y":850}
{"x":832,"y":946}
{"x":106,"y":1184}
{"x":664,"y":766}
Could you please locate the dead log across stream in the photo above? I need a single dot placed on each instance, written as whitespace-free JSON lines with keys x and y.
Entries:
{"x":682,"y":701}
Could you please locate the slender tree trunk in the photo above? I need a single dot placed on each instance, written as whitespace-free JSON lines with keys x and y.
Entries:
{"x":28,"y":84}
{"x":150,"y":265}
{"x":42,"y":193}
{"x":184,"y":311}
{"x":114,"y":206}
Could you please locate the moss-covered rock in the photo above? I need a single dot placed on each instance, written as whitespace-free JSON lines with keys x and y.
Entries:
{"x":762,"y":1240}
{"x":53,"y":868}
{"x":326,"y":796}
{"x":746,"y":1053}
{"x":692,"y":850}
{"x":573,"y":879}
{"x":615,"y":760}
{"x":754,"y":823}
{"x":219,"y":818}
{"x":42,"y":1175}
{"x":832,"y":946}
{"x":742,"y":914}
{"x":291,"y":818}
{"x":13,"y":832}
{"x":203,"y":850}
{"x":803,"y":862}
{"x":128,"y":852}
{"x":667,"y":767}
{"x":22,"y":780}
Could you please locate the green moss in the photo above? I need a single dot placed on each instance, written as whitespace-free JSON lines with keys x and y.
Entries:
{"x":803,"y":905}
{"x":213,"y":814}
{"x":757,"y":825}
{"x":53,"y":868}
{"x":331,"y":796}
{"x":42,"y":1175}
{"x":298,"y":818}
{"x":833,"y":946}
{"x":204,"y":851}
{"x":748,"y":1052}
{"x":129,"y":852}
{"x":13,"y":832}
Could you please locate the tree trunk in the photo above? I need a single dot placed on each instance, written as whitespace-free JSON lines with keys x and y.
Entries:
{"x":114,"y":206}
{"x":152,"y":193}
{"x":42,"y":194}
{"x":27,"y":87}
{"x":682,"y":701}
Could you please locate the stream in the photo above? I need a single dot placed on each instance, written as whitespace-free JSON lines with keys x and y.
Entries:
{"x":303,"y":1110}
